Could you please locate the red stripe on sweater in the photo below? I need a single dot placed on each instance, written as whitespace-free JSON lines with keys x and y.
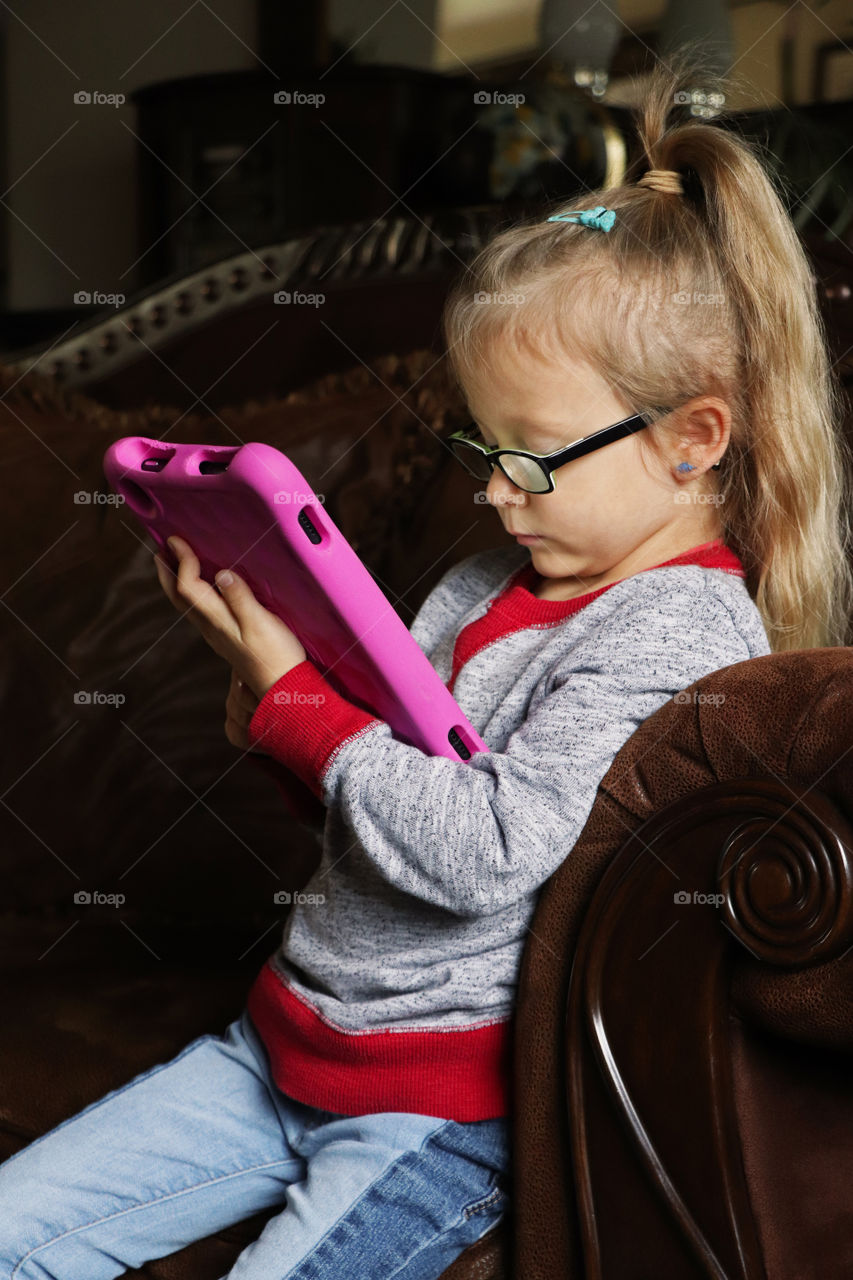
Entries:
{"x":517,"y":607}
{"x":459,"y":1074}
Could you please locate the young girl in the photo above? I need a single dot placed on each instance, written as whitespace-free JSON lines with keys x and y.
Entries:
{"x":364,"y":1093}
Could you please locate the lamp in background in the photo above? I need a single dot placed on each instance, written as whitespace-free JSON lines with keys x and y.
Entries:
{"x":555,"y":135}
{"x":579,"y":40}
{"x":708,"y":27}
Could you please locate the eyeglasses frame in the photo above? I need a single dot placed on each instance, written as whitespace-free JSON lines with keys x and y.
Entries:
{"x":549,"y":462}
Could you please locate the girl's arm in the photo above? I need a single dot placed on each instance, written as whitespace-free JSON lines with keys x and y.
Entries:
{"x":474,"y":837}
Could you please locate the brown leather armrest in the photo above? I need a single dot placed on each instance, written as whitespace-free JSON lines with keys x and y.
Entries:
{"x":813,"y":1005}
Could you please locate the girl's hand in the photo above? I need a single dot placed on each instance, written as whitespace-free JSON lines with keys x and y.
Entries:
{"x":257,"y":644}
{"x":240,"y":706}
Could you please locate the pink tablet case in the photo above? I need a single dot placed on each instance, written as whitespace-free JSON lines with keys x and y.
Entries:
{"x":248,"y":507}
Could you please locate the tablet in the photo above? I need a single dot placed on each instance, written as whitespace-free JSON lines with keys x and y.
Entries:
{"x":249,"y":508}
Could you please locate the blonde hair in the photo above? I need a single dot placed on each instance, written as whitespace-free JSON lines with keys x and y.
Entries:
{"x":760,"y":345}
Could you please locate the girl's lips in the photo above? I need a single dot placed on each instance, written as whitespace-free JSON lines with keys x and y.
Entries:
{"x":527,"y":537}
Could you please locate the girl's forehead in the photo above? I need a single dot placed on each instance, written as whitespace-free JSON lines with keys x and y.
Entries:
{"x":516,"y":359}
{"x":530,"y":392}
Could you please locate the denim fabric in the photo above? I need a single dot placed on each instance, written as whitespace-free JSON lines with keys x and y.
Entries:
{"x":199,"y":1143}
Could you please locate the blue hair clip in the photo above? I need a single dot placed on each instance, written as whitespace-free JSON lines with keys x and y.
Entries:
{"x":600,"y":217}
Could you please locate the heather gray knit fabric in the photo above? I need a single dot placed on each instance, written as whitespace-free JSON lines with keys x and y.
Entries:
{"x":431,"y":867}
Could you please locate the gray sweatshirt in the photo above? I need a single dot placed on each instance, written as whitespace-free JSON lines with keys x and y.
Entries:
{"x":393,"y":986}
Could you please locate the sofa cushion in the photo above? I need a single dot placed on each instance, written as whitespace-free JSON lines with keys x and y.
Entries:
{"x":146,"y":797}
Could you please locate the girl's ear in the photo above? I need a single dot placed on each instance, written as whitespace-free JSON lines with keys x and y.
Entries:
{"x":705,"y":425}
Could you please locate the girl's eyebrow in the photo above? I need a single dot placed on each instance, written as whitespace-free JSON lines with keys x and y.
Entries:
{"x":529,"y":432}
{"x":523,"y":425}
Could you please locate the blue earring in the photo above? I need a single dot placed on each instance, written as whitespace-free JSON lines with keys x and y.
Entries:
{"x":685,"y":466}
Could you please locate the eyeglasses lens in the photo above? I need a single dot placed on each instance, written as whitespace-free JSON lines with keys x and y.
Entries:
{"x":523,"y":472}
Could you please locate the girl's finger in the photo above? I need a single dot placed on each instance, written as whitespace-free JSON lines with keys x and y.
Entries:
{"x":241,"y":694}
{"x":199,"y":596}
{"x":248,"y":703}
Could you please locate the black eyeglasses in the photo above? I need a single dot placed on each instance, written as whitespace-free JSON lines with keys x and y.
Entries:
{"x":532,"y":471}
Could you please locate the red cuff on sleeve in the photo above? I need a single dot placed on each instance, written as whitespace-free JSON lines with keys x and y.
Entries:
{"x":302,"y":719}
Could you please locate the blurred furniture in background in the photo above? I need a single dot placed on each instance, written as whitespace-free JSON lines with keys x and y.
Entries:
{"x":397,"y":146}
{"x":219,"y":154}
{"x":275,"y":157}
{"x":277,"y":316}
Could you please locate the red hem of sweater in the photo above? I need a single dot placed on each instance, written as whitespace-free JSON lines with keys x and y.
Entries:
{"x":458,"y":1074}
{"x":287,"y":724}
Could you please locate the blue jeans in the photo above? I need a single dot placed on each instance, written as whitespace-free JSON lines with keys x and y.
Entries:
{"x":197,"y":1144}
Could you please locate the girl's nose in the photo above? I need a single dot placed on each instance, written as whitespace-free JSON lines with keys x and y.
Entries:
{"x":500,"y":491}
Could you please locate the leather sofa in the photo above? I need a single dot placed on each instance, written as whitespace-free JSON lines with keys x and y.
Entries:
{"x":683,"y":1104}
